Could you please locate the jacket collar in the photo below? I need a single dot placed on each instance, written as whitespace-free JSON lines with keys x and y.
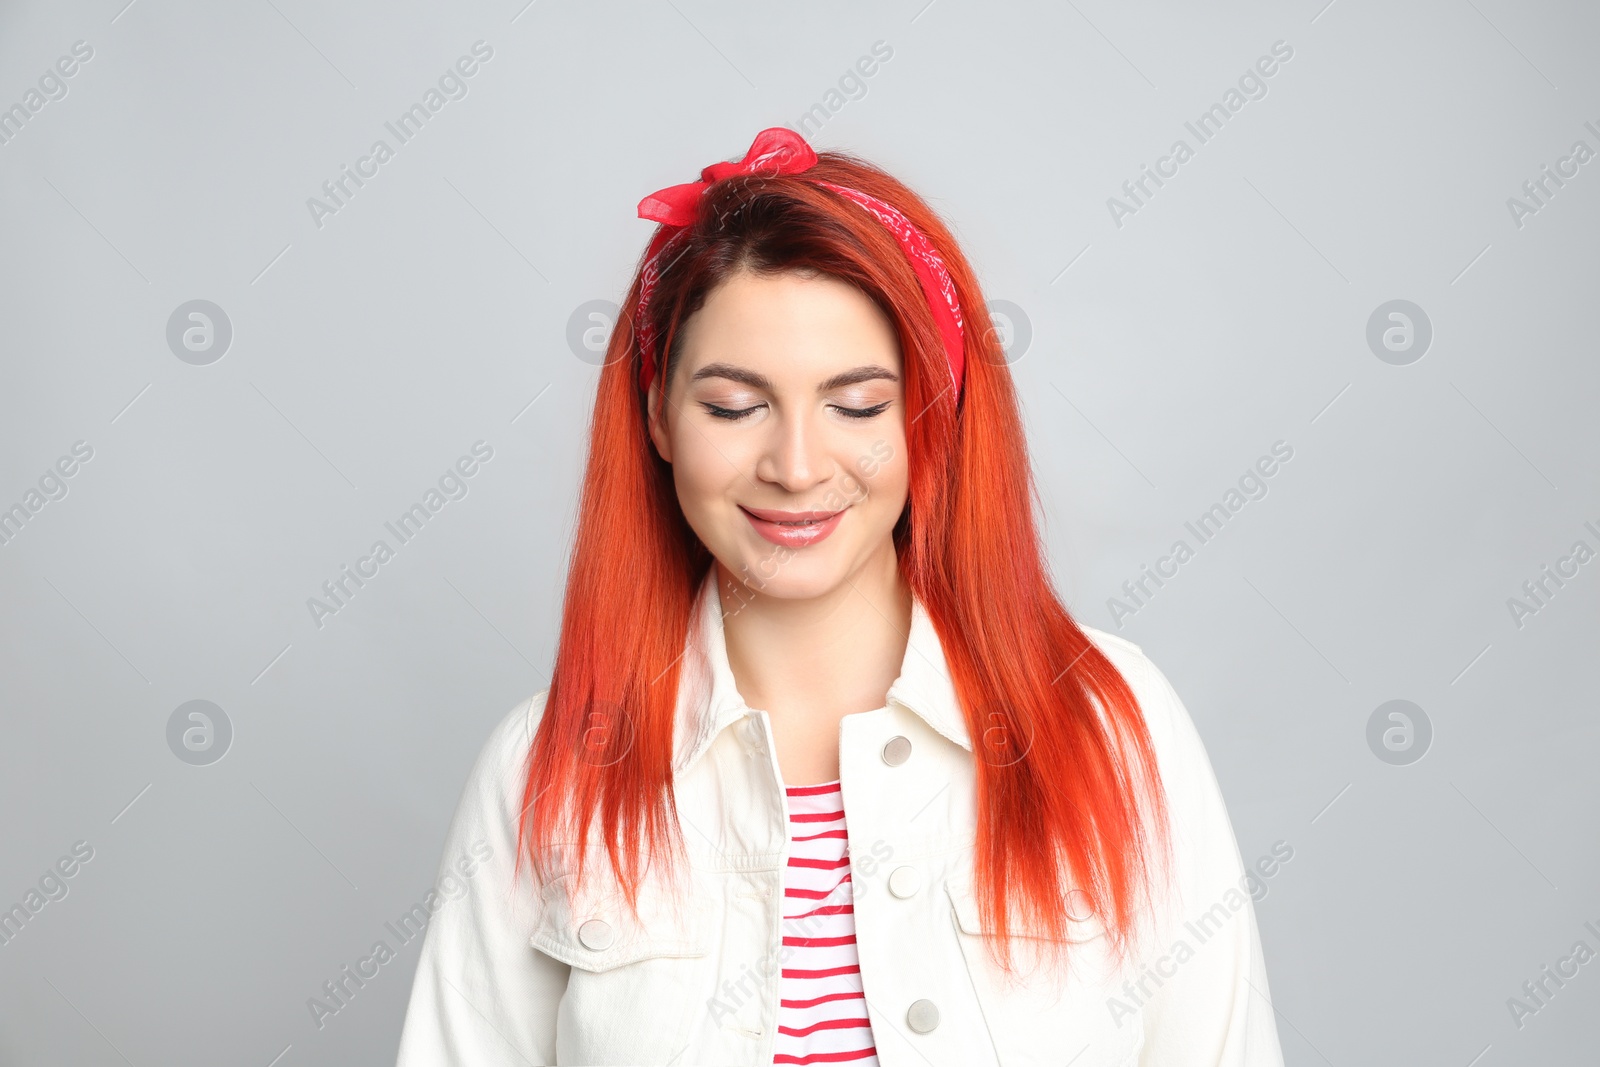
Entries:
{"x":709,"y":700}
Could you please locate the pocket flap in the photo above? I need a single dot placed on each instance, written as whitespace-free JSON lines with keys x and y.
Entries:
{"x":596,"y":931}
{"x":964,"y":903}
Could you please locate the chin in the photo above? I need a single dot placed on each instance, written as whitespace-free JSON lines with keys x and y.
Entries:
{"x":796,"y":578}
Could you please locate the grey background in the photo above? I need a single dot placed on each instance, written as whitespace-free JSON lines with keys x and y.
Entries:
{"x":1166,"y":355}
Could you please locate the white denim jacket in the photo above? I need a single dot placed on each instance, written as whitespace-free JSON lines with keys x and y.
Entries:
{"x":512,"y":974}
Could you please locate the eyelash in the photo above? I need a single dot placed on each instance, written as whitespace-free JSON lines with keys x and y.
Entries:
{"x":735,"y":414}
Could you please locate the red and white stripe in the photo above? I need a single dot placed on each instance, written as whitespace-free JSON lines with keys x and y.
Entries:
{"x":822,"y":1011}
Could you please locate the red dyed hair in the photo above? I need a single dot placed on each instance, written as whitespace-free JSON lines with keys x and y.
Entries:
{"x":1063,"y":791}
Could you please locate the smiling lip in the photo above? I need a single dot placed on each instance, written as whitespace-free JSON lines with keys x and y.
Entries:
{"x":792,"y":529}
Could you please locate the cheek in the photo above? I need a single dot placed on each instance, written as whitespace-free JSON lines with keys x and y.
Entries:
{"x":880,"y":476}
{"x":701,"y":472}
{"x":893,"y":486}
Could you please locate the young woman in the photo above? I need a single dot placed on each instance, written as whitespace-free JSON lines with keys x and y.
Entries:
{"x":826,"y":772}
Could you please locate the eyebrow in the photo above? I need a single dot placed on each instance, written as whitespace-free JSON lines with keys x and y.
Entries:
{"x":868,"y":373}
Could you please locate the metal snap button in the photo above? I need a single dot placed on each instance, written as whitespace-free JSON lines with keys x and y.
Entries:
{"x":897,"y":751}
{"x":922,"y":1016}
{"x":905,"y":881}
{"x":596,"y":934}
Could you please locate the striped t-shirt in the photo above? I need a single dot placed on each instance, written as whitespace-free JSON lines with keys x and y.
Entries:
{"x":822,"y":1011}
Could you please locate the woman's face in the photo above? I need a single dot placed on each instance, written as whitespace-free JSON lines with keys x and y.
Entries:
{"x":785,"y":426}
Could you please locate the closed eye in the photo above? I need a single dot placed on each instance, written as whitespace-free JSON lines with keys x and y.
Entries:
{"x":729,"y":413}
{"x":734,"y":414}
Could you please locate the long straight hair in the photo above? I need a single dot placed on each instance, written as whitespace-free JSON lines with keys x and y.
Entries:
{"x":1066,"y":782}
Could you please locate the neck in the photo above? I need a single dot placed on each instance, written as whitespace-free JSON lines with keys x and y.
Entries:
{"x":834,"y":654}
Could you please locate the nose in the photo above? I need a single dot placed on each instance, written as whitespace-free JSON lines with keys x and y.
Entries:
{"x":794,"y":456}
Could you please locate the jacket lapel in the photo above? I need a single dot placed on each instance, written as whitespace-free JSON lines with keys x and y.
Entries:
{"x":709,"y":700}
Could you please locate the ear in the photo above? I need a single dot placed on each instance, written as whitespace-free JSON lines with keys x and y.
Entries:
{"x":654,"y":420}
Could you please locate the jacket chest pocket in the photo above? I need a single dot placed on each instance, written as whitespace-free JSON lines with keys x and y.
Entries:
{"x":630,"y":988}
{"x":1049,"y":1017}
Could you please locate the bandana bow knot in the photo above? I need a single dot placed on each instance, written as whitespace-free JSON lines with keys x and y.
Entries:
{"x":775,"y":151}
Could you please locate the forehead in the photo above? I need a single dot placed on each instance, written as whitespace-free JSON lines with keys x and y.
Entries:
{"x":790,"y":325}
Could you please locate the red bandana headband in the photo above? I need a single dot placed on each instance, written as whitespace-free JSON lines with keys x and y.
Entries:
{"x":782,"y":151}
